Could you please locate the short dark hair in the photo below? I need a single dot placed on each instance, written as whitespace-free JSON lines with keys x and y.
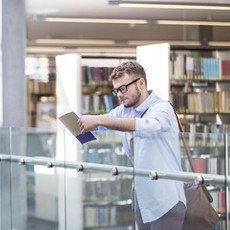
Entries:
{"x":130,"y":68}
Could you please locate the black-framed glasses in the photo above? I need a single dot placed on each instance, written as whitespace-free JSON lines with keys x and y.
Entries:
{"x":123,"y":88}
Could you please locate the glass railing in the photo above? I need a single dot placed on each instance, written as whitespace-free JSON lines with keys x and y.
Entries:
{"x":51,"y":181}
{"x":167,"y":156}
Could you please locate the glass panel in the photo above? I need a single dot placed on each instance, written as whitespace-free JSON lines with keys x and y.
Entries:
{"x":208,"y":152}
{"x":106,"y":199}
{"x":41,"y":187}
{"x":34,"y":186}
{"x":165,"y":153}
{"x":5,"y":186}
{"x":107,"y":149}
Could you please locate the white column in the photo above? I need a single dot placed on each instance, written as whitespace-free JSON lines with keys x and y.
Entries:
{"x":68,"y":69}
{"x":155,"y":60}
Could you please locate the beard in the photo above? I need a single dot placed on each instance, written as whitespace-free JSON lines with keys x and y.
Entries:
{"x":133,"y":99}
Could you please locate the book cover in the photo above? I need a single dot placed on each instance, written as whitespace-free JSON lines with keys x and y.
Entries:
{"x":70,"y":121}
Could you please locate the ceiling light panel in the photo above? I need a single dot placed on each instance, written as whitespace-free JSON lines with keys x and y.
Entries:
{"x":193,"y":23}
{"x":96,"y":20}
{"x":171,"y":5}
{"x":74,"y":42}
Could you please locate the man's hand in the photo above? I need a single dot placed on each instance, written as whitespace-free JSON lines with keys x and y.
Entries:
{"x":88,"y":122}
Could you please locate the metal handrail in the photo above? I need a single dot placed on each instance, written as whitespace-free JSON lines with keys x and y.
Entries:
{"x":222,"y":180}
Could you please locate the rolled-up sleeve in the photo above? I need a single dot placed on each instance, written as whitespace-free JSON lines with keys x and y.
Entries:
{"x":157,"y":118}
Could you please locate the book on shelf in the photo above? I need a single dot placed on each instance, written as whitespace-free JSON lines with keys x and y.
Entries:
{"x":199,"y":164}
{"x":90,"y":217}
{"x":225,"y":69}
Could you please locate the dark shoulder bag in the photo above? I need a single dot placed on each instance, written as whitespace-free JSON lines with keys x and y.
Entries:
{"x":200,"y":214}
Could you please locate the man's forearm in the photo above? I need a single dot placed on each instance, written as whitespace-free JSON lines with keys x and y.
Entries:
{"x":117,"y":123}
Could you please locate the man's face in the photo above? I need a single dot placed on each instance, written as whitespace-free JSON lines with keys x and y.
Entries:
{"x":127,"y":89}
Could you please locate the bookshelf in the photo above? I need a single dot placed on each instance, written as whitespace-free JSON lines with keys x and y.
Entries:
{"x":41,"y":92}
{"x":200,"y":84}
{"x":96,"y":90}
{"x":197,"y":83}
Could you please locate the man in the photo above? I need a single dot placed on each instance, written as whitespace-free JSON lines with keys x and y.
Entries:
{"x":160,"y":204}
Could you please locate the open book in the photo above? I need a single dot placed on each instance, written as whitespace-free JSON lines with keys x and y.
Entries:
{"x":70,"y":121}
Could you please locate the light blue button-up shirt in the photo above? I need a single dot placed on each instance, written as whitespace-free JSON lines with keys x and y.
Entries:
{"x":156,"y":147}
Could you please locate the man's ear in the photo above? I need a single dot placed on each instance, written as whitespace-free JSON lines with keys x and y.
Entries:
{"x":142,"y":83}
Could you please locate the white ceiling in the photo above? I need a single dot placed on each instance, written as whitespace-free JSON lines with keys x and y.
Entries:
{"x":37,"y":28}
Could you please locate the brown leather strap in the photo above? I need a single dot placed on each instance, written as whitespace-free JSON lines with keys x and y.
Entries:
{"x":189,"y":155}
{"x":206,"y":192}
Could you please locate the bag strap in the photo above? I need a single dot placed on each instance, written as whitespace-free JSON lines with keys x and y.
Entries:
{"x":144,"y":113}
{"x":188,"y":153}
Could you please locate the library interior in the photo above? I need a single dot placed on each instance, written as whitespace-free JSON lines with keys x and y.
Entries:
{"x":56,"y":58}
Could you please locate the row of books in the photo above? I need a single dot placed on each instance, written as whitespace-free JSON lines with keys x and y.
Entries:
{"x":41,"y":87}
{"x":206,"y":134}
{"x":212,"y":165}
{"x":108,"y":216}
{"x":96,"y":75}
{"x":219,"y":201}
{"x":201,"y":102}
{"x":208,"y":68}
{"x":206,"y":129}
{"x":105,"y":155}
{"x":97,"y":104}
{"x":107,"y":189}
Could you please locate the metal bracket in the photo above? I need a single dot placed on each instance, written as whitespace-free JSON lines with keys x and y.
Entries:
{"x":115,"y":171}
{"x":199,"y":180}
{"x":153,"y":175}
{"x":50,"y":164}
{"x":80,"y":167}
{"x":22,"y":161}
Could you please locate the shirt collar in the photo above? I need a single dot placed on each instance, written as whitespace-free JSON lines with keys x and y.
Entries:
{"x":150,"y":100}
